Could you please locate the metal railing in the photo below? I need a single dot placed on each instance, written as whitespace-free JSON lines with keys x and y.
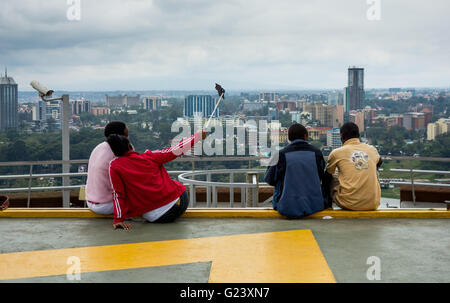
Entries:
{"x":249,"y":189}
{"x":65,"y":189}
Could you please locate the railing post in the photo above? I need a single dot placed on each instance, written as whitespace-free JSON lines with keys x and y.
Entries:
{"x":29,"y":186}
{"x":413,"y":193}
{"x":243,"y":189}
{"x":231,"y":190}
{"x":208,"y":190}
{"x":192,"y":201}
{"x":214,"y":194}
{"x":251,"y":193}
{"x":65,"y":148}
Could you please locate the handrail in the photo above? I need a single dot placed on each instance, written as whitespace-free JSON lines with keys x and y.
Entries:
{"x":188,"y":176}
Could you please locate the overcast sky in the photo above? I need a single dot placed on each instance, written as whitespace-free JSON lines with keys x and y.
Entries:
{"x":242,"y":44}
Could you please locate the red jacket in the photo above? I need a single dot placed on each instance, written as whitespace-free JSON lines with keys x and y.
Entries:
{"x":141,"y":183}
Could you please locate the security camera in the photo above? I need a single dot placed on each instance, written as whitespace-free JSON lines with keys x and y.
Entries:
{"x":43,"y":91}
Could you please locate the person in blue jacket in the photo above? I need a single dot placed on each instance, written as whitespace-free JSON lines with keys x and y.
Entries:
{"x":301,"y":185}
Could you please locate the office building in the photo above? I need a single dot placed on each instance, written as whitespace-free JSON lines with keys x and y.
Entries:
{"x":357,"y":117}
{"x":80,"y":106}
{"x":8,"y":102}
{"x":100,"y":111}
{"x":199,"y":106}
{"x":268,"y":97}
{"x":334,"y":138}
{"x":354,"y":92}
{"x":152,"y":103}
{"x":441,"y":126}
{"x":414,"y":121}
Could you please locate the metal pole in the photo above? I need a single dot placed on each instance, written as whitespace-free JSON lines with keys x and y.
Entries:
{"x":412,"y":183}
{"x":65,"y":148}
{"x":29,"y":186}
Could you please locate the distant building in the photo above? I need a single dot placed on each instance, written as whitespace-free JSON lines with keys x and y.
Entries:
{"x":25,"y":113}
{"x":317,"y":133}
{"x":80,"y":106}
{"x":39,"y":111}
{"x":413,"y":121}
{"x":123,"y":100}
{"x":8,"y":102}
{"x":354,"y":92}
{"x":268,"y":97}
{"x":272,"y":113}
{"x":286,"y":105}
{"x":199,"y":106}
{"x":357,"y":117}
{"x":335,"y":98}
{"x":327,"y":115}
{"x":281,"y":134}
{"x":334,"y":138}
{"x":152,"y":103}
{"x":441,"y":126}
{"x":100,"y":111}
{"x":252,"y":106}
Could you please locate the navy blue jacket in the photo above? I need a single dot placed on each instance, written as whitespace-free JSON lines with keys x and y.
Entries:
{"x":301,"y":187}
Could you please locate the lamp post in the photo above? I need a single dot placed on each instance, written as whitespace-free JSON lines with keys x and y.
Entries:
{"x":43,"y":93}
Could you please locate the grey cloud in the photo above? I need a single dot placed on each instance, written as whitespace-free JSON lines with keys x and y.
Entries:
{"x":264,"y":43}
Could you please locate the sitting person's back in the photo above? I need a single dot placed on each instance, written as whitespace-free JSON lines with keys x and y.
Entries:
{"x":142,"y":186}
{"x":297,"y":177}
{"x":357,"y":186}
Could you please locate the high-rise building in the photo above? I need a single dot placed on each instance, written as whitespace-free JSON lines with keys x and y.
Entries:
{"x":152,"y":103}
{"x":268,"y":97}
{"x":40,"y":111}
{"x":8,"y":102}
{"x":199,"y":106}
{"x":354,"y":92}
{"x":357,"y":117}
{"x":413,"y":121}
{"x":334,"y":138}
{"x":327,"y":115}
{"x":80,"y":106}
{"x":440,"y":127}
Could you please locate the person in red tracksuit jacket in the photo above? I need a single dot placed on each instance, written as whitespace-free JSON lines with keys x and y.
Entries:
{"x":142,"y":186}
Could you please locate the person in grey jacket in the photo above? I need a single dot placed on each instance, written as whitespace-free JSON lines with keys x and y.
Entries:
{"x":301,"y":185}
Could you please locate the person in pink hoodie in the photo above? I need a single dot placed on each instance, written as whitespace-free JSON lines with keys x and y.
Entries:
{"x":98,"y":185}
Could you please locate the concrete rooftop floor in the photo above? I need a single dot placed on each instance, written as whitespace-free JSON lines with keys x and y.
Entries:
{"x":410,"y":250}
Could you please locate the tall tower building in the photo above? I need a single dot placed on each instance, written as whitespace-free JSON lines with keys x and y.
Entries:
{"x":8,"y":102}
{"x":199,"y":106}
{"x":354,"y":92}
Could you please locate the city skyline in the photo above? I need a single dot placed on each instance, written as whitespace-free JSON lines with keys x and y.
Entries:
{"x":251,"y":45}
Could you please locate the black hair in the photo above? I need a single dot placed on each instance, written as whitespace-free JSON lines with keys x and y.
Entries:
{"x":115,"y":127}
{"x":348,"y":131}
{"x":119,"y":144}
{"x":297,"y":131}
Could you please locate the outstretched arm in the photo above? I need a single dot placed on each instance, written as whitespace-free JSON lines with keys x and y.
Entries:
{"x":168,"y":154}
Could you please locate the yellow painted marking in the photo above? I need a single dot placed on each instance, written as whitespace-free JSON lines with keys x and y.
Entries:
{"x":287,"y":256}
{"x":438,"y":213}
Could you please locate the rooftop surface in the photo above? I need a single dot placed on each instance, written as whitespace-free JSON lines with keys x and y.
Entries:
{"x":226,"y":250}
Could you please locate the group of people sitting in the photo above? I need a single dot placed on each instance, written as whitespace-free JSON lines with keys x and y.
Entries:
{"x":130,"y":184}
{"x":304,"y":184}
